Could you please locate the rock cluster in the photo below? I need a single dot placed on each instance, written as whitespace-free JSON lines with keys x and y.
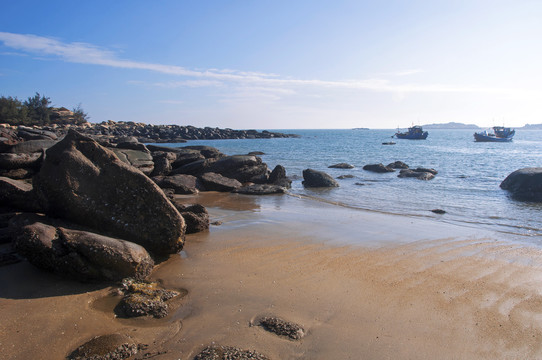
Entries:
{"x":405,"y":171}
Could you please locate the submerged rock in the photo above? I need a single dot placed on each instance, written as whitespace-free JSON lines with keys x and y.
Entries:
{"x":378,"y":168}
{"x":260,"y":189}
{"x":420,"y":175}
{"x":341,"y":166}
{"x":397,"y":165}
{"x":314,"y":178}
{"x":524,"y":184}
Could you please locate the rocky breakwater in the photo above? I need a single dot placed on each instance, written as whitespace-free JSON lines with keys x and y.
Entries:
{"x":148,"y":133}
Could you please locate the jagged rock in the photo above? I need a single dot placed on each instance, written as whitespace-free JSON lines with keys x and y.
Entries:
{"x":144,"y":298}
{"x":110,"y":347}
{"x":181,"y":184}
{"x":260,"y":189}
{"x":314,"y":178}
{"x":80,"y":254}
{"x":195,"y":216}
{"x":194,"y":168}
{"x":524,"y":184}
{"x":278,"y":177}
{"x":378,"y":168}
{"x":216,"y":182}
{"x":341,"y":166}
{"x":87,"y":184}
{"x":398,"y":165}
{"x":421,"y":175}
{"x":162,"y":164}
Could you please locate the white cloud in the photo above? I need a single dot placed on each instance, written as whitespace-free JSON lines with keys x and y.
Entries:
{"x":84,"y":53}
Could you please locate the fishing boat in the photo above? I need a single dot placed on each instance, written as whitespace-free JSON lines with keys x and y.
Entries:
{"x":413,"y":133}
{"x":499,"y":134}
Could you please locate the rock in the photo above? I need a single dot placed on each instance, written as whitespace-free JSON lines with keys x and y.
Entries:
{"x":27,"y":133}
{"x":18,"y":195}
{"x":314,"y":178}
{"x":82,"y":255}
{"x":422,"y":169}
{"x":257,"y":153}
{"x":219,"y":352}
{"x":260,"y":189}
{"x":186,"y":156}
{"x":8,"y":138}
{"x":144,"y":298}
{"x":378,"y":168}
{"x":16,"y":161}
{"x":341,"y":166}
{"x":207,"y":151}
{"x":181,"y":184}
{"x":216,"y":182}
{"x":341,"y":177}
{"x":129,"y":145}
{"x":110,"y":347}
{"x":195,"y":168}
{"x":17,"y":174}
{"x":282,"y":327}
{"x":195,"y":216}
{"x":32,"y":146}
{"x":438,"y":211}
{"x":278,"y":177}
{"x":398,"y":165}
{"x":162,"y":165}
{"x":87,"y":184}
{"x":243,"y":168}
{"x":139,"y":159}
{"x":421,"y":175}
{"x":524,"y":184}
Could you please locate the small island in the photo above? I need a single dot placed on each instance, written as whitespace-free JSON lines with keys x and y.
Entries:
{"x":451,"y":125}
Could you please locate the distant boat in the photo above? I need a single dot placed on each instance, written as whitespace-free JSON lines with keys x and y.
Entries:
{"x":413,"y":133}
{"x":499,"y":134}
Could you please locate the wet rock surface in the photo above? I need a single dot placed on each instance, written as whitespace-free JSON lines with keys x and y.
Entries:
{"x":218,"y":352}
{"x":315,"y":178}
{"x":106,"y":347}
{"x":524,"y":184}
{"x":282,"y":327}
{"x":144,"y":298}
{"x":378,"y":168}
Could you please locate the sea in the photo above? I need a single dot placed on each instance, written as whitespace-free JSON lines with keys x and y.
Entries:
{"x":466,"y":186}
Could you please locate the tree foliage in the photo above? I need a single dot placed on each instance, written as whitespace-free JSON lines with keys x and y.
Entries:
{"x":37,"y":110}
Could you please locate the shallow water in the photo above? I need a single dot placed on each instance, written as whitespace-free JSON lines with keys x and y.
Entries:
{"x":466,"y":187}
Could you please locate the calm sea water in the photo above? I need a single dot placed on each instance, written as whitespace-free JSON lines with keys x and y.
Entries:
{"x":466,"y":187}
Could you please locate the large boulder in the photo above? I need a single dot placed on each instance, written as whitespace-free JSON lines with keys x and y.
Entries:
{"x":17,"y":161}
{"x":524,"y":184}
{"x":195,"y":216}
{"x":278,"y":177}
{"x":32,"y":146}
{"x":244,"y":168}
{"x":141,"y":160}
{"x":82,"y":255}
{"x":314,"y":178}
{"x":87,"y":184}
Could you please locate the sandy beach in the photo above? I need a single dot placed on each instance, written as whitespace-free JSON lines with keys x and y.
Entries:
{"x":364,"y":285}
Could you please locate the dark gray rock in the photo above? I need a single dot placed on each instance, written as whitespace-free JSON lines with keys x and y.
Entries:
{"x":162,"y":165}
{"x":82,"y":255}
{"x":18,"y":195}
{"x":194,"y":168}
{"x":186,"y":156}
{"x":207,"y":151}
{"x":139,"y":159}
{"x":181,"y":184}
{"x":216,"y":182}
{"x":32,"y":146}
{"x":87,"y":184}
{"x":244,"y":168}
{"x":27,"y":133}
{"x":420,"y":175}
{"x":378,"y":168}
{"x":260,"y":189}
{"x":314,"y":178}
{"x":282,"y":327}
{"x":422,"y":169}
{"x":278,"y":177}
{"x":524,"y":184}
{"x":341,"y":166}
{"x":195,"y":216}
{"x":342,"y":177}
{"x":16,"y":161}
{"x":398,"y":165}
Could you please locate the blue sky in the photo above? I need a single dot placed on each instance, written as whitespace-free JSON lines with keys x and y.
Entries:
{"x":279,"y":64}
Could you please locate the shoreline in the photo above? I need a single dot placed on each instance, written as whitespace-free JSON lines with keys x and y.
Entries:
{"x":444,"y":292}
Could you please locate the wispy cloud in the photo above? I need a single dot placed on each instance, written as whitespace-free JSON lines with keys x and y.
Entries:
{"x":84,"y":53}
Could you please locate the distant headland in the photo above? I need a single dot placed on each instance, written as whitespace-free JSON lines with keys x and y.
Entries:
{"x":451,"y":125}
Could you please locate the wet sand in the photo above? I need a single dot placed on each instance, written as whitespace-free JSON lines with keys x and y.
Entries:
{"x":363,"y":285}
